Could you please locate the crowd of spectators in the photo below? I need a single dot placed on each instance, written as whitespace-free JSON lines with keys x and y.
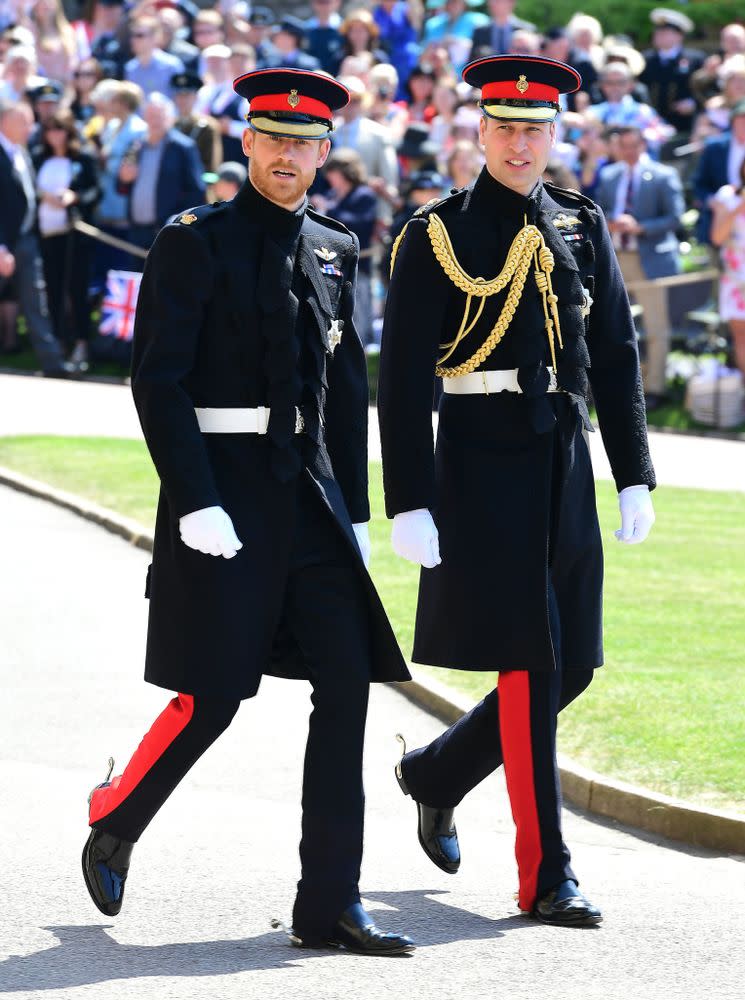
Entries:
{"x":135,"y":119}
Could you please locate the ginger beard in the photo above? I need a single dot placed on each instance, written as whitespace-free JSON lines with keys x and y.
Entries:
{"x":283,"y":169}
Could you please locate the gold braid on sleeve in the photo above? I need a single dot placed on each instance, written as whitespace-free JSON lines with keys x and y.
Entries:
{"x":528,"y":246}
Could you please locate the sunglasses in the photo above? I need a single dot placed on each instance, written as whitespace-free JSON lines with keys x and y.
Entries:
{"x":83,"y":72}
{"x":140,"y":34}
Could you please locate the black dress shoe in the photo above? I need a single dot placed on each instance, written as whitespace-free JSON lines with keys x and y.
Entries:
{"x":105,"y":867}
{"x":65,"y":370}
{"x":435,"y":828}
{"x":355,"y":930}
{"x":565,"y":906}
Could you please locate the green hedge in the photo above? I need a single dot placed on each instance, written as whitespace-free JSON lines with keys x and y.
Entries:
{"x":631,"y":17}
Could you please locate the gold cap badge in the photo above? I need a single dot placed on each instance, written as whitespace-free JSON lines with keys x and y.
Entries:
{"x":292,"y":99}
{"x":188,"y":219}
{"x":522,"y":84}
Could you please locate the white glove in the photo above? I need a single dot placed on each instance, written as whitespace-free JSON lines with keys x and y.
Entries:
{"x":211,"y":531}
{"x":362,"y":535}
{"x":414,"y":537}
{"x":637,"y":514}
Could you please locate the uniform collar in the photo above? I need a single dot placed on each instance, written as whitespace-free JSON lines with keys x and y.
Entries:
{"x":493,"y":197}
{"x":273,"y":218}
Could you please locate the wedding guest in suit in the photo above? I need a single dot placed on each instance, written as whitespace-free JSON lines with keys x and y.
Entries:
{"x":496,"y":36}
{"x":643,"y":202}
{"x":20,"y":258}
{"x":162,"y":175}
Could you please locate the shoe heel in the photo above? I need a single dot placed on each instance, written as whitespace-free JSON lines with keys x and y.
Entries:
{"x":397,"y":770}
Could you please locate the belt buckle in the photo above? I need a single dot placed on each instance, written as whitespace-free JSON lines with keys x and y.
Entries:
{"x":299,"y":421}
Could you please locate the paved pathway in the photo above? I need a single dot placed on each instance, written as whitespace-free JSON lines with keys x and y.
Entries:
{"x":221,"y":858}
{"x":44,"y":406}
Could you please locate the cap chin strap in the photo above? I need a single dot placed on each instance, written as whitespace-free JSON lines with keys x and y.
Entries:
{"x":288,"y":130}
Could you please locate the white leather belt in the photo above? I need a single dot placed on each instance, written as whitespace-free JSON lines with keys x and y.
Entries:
{"x":239,"y":419}
{"x":486,"y":383}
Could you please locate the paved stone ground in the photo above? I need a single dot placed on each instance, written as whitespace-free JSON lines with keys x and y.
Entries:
{"x":51,"y":406}
{"x":221,"y":859}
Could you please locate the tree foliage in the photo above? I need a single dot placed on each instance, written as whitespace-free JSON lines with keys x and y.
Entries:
{"x":631,"y":17}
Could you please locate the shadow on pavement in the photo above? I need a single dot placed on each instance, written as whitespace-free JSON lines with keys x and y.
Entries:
{"x":86,"y":954}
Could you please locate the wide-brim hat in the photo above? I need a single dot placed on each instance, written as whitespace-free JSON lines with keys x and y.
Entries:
{"x":664,"y":17}
{"x":417,"y":143}
{"x":360,"y":16}
{"x":291,"y":103}
{"x":186,"y":83}
{"x":616,"y":48}
{"x":521,"y":88}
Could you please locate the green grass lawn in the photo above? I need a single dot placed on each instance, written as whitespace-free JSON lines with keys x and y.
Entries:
{"x":667,"y":711}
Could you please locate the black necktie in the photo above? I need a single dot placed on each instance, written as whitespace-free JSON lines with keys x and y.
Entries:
{"x":628,"y":208}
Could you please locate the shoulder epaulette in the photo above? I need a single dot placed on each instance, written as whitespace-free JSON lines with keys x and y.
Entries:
{"x":571,"y":193}
{"x":198,"y":214}
{"x":325,"y":220}
{"x":430,"y":206}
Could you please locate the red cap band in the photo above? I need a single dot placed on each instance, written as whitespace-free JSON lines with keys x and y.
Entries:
{"x":521,"y":89}
{"x":292,"y":102}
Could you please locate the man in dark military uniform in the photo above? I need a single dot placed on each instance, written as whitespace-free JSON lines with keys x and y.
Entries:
{"x":202,"y":129}
{"x":669,"y":67}
{"x":492,"y":289}
{"x":250,"y":383}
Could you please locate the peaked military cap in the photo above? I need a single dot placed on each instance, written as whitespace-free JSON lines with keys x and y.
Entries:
{"x":49,"y":91}
{"x":187,"y":82}
{"x":291,"y":102}
{"x":664,"y":17}
{"x":521,"y":88}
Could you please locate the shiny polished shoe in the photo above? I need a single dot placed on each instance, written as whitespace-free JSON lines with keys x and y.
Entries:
{"x":355,"y":931}
{"x":435,"y":828}
{"x":105,"y":867}
{"x":565,"y":906}
{"x":106,"y":862}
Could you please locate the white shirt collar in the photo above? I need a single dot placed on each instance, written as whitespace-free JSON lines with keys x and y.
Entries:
{"x":10,"y":148}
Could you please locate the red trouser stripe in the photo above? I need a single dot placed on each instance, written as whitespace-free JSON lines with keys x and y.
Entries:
{"x":171,"y":721}
{"x":517,"y":751}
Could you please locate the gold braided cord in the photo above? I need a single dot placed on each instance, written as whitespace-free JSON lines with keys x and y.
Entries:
{"x":528,"y":246}
{"x":498,"y":330}
{"x":394,"y":248}
{"x":527,"y":240}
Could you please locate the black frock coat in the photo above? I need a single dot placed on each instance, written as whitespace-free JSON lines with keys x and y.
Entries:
{"x":510,"y":483}
{"x":213,"y":330}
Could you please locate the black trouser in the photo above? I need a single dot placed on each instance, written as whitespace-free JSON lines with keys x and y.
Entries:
{"x":514,"y":725}
{"x":325,"y":609}
{"x":444,"y":772}
{"x":66,"y":270}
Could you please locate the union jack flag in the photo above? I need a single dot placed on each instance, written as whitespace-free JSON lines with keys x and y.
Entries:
{"x":119,"y":304}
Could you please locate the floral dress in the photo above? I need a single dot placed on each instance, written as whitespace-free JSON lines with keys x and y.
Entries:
{"x":732,"y":280}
